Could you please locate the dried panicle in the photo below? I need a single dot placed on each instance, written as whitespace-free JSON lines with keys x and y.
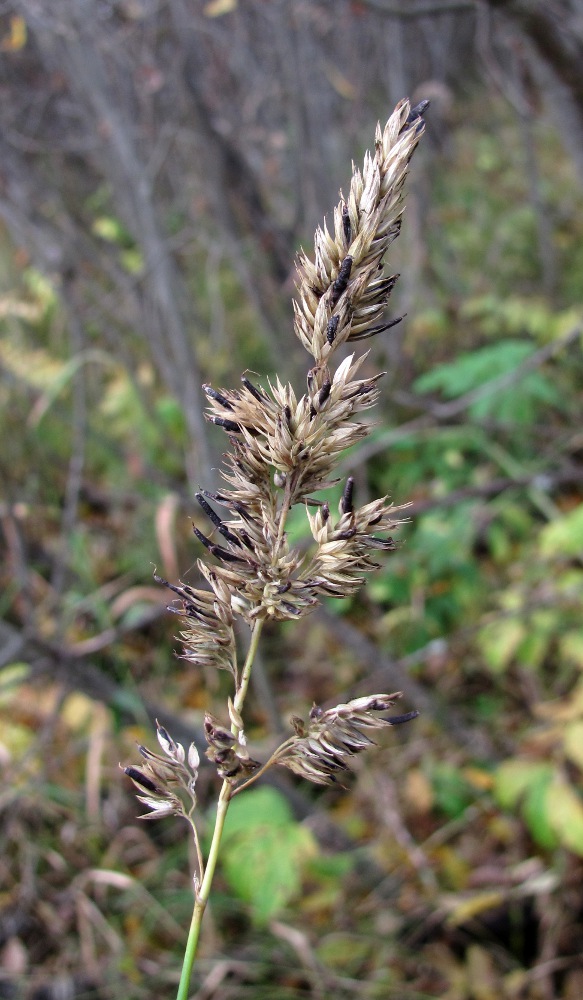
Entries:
{"x":228,"y":751}
{"x":322,"y":748}
{"x":343,"y":293}
{"x":344,"y":547}
{"x":208,"y":638}
{"x":168,"y":780}
{"x":283,"y":448}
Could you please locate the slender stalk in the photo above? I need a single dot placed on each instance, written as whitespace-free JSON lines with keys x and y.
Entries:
{"x":265,"y":767}
{"x":202,"y":894}
{"x":199,"y":856}
{"x":245,"y":676}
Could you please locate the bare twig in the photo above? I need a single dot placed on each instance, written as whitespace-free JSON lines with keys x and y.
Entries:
{"x":410,"y":11}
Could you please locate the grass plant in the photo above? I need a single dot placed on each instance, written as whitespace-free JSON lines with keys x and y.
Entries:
{"x":283,"y":450}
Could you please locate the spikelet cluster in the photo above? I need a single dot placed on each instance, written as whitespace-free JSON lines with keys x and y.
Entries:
{"x":228,"y":747}
{"x":343,"y":293}
{"x":283,"y":448}
{"x":322,"y":749}
{"x":166,"y":783}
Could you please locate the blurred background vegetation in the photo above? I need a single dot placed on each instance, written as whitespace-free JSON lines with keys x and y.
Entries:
{"x":161,"y":161}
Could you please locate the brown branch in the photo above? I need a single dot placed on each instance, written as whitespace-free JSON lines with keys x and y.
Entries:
{"x":544,"y":481}
{"x":410,"y":12}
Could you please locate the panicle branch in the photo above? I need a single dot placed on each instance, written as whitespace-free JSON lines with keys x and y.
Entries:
{"x":321,"y":750}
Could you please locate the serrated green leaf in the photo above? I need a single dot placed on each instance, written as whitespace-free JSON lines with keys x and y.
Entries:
{"x":515,"y":404}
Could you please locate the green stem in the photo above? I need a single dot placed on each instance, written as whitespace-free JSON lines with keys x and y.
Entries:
{"x":227,"y":790}
{"x":202,"y":894}
{"x":245,"y":676}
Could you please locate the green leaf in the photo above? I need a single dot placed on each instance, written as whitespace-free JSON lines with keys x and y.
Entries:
{"x":345,"y":952}
{"x":514,"y":777}
{"x":499,"y":642}
{"x":542,"y":629}
{"x":571,"y":647}
{"x":565,"y":810}
{"x":573,"y":743}
{"x":511,"y":404}
{"x":452,"y":792}
{"x":536,"y":812}
{"x":564,"y":537}
{"x":264,"y":851}
{"x":257,"y":808}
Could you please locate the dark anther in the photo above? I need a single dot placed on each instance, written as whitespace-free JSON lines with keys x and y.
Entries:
{"x":346,"y":225}
{"x":287,"y":413}
{"x":417,"y":112}
{"x":284,"y":587}
{"x":384,"y":544}
{"x":247,"y":541}
{"x":229,"y":425}
{"x":241,"y":509}
{"x":324,"y":392}
{"x":290,"y":608}
{"x":342,"y":280}
{"x":141,"y":779}
{"x":385,"y":326}
{"x":316,"y":712}
{"x":389,"y":283}
{"x":260,"y":396}
{"x":217,"y":497}
{"x":216,"y":550}
{"x":210,"y":513}
{"x":214,"y":517}
{"x":217,"y":396}
{"x":398,"y":719}
{"x":332,"y":328}
{"x":177,"y":590}
{"x":343,"y":536}
{"x":325,"y":511}
{"x":346,"y":506}
{"x":202,"y":538}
